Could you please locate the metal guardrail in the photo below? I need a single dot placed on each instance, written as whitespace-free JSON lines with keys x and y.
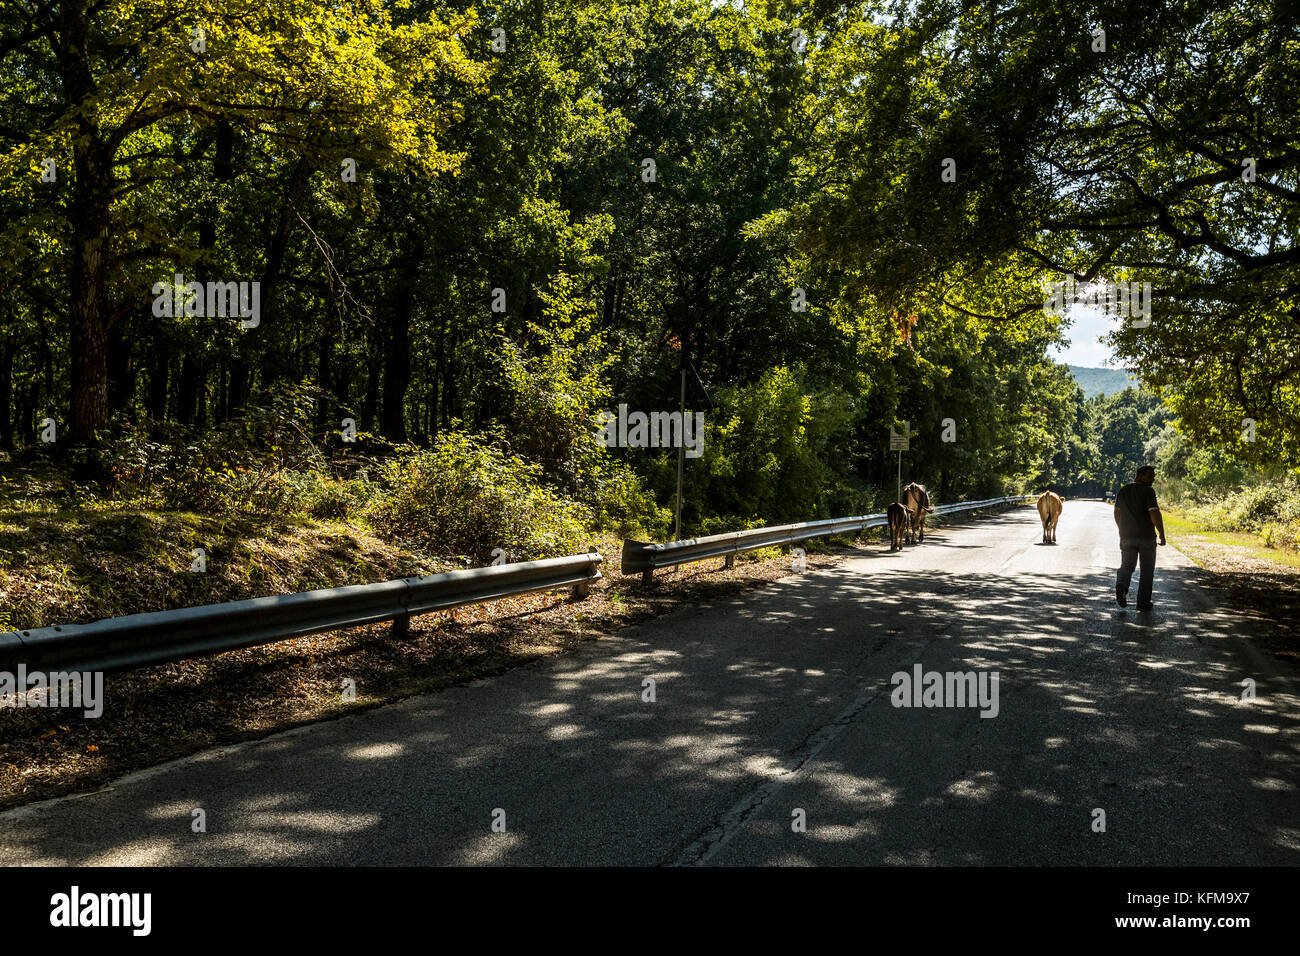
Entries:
{"x":138,"y":640}
{"x":646,"y":558}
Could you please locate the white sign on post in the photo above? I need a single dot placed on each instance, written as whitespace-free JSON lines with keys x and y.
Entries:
{"x":898,"y":442}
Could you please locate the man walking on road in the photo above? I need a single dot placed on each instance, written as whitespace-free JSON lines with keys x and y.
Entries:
{"x":1138,"y":517}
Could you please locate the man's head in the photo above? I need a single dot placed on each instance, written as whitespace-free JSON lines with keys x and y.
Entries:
{"x":1146,"y":474}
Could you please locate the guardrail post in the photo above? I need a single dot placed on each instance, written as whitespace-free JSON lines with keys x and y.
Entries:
{"x":647,"y":576}
{"x":731,"y":561}
{"x":583,"y":588}
{"x":401,"y":626}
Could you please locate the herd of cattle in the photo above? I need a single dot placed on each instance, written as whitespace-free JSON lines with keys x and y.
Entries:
{"x":907,"y":517}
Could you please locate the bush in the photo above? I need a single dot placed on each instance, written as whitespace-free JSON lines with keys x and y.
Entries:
{"x":553,"y":388}
{"x":619,"y":501}
{"x":1253,"y":507}
{"x":772,"y":455}
{"x":324,"y":496}
{"x":467,"y":496}
{"x":1270,"y":509}
{"x":266,"y":461}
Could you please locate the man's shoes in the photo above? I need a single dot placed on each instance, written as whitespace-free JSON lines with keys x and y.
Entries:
{"x":1120,"y":596}
{"x":1145,"y":607}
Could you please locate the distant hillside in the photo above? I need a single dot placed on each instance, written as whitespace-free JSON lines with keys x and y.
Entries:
{"x":1097,"y":381}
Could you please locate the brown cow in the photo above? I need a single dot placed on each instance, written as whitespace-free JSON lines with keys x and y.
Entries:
{"x":918,"y":504}
{"x":1049,"y":509}
{"x":898,"y":519}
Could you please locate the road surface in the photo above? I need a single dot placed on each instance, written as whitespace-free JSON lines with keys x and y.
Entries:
{"x":771,"y":709}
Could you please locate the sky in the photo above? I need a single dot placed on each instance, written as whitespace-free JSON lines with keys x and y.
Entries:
{"x":1087,"y":325}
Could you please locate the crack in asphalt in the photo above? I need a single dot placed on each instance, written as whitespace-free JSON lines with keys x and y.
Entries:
{"x":715,"y":836}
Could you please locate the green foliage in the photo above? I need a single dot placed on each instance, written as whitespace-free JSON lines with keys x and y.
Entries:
{"x":555,"y":386}
{"x":468,"y":495}
{"x":1270,"y":509}
{"x":768,"y":456}
{"x":778,"y":170}
{"x":267,"y":462}
{"x":318,"y":495}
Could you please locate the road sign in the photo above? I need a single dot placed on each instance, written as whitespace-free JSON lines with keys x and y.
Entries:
{"x":898,"y":442}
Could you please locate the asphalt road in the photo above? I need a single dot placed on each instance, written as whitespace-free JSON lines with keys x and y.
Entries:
{"x":774,"y":702}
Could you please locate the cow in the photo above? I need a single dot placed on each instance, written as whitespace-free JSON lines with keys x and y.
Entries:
{"x":899,"y":517}
{"x":1049,"y":509}
{"x":918,"y":503}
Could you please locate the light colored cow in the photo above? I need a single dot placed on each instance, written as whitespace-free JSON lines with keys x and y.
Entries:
{"x":917,"y":500}
{"x":1050,"y":505}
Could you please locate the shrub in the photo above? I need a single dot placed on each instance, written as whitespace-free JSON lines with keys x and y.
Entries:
{"x":618,"y":500}
{"x":553,"y":388}
{"x":1270,"y":509}
{"x":467,"y":496}
{"x":1253,"y":507}
{"x":265,"y":461}
{"x":770,"y":457}
{"x":325,"y":496}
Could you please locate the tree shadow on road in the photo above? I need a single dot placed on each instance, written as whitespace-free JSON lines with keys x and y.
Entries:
{"x":763,"y":703}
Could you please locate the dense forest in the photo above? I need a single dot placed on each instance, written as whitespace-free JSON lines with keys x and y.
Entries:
{"x":400,"y":256}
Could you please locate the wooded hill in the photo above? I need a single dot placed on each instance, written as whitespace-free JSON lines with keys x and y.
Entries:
{"x":475,"y":227}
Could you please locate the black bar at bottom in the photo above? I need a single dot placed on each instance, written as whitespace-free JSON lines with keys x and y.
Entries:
{"x":975,"y":906}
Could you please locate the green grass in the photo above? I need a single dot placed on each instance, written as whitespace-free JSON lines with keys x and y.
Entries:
{"x":1179,"y":526}
{"x":66,"y":559}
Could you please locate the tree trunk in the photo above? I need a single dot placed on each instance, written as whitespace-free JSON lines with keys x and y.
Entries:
{"x":27,"y":413}
{"x":397,"y":346}
{"x":326,"y":417}
{"x":436,"y":386}
{"x":88,"y":308}
{"x":371,"y":400}
{"x":187,"y":390}
{"x":158,"y":362}
{"x":201,"y":397}
{"x":121,"y":368}
{"x":277,"y":243}
{"x":6,"y":395}
{"x":397,"y":367}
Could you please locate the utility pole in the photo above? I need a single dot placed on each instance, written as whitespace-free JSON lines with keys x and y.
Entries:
{"x":681,"y":453}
